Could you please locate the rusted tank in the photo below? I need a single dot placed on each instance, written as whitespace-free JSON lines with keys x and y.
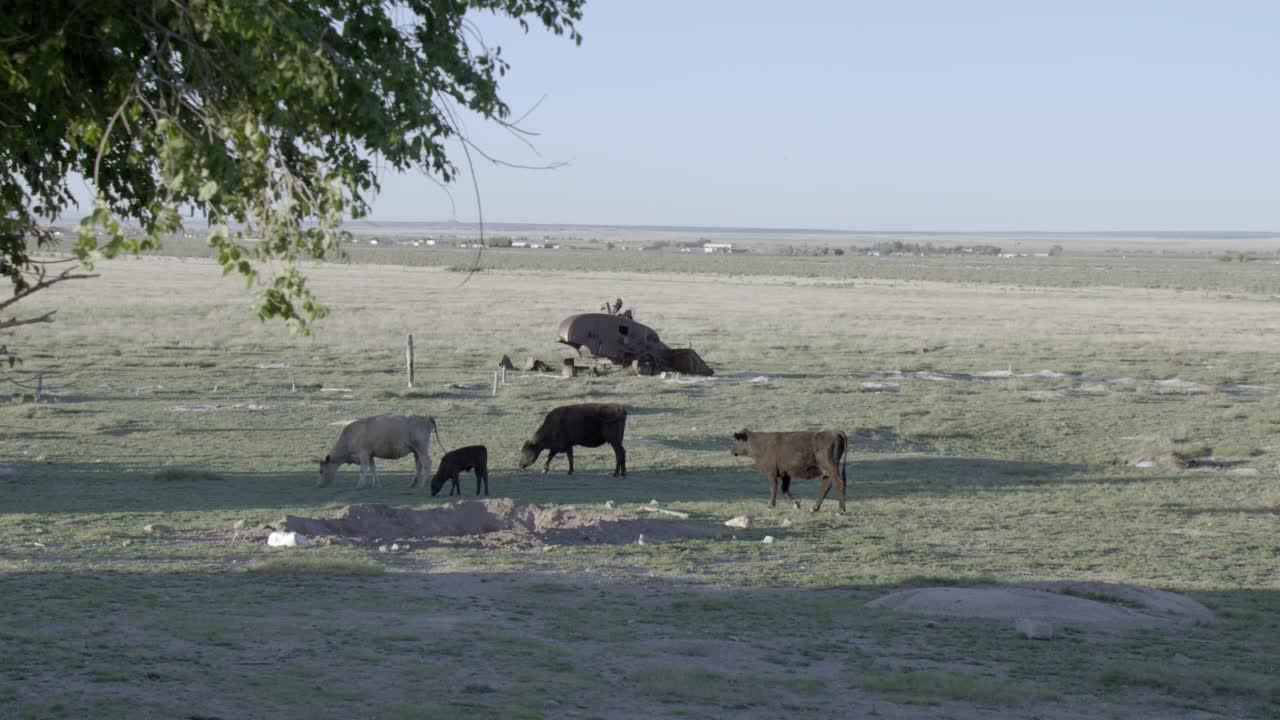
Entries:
{"x":623,"y":341}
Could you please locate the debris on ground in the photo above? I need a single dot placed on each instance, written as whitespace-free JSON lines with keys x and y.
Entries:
{"x":741,"y":521}
{"x":490,"y":523}
{"x":287,"y":539}
{"x":616,"y":337}
{"x":533,"y":364}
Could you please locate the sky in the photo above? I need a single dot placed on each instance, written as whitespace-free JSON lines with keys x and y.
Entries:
{"x":905,"y":115}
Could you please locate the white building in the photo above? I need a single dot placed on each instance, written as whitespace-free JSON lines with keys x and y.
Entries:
{"x":725,"y":248}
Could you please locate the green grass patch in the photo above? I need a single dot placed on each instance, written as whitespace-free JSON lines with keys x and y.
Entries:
{"x":928,"y":687}
{"x":296,"y":564}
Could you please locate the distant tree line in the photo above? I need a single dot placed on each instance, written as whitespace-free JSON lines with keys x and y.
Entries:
{"x":809,"y":250}
{"x":891,"y":247}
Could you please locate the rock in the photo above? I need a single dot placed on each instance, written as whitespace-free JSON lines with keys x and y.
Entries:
{"x":1181,"y":659}
{"x":742,"y":521}
{"x":610,"y":504}
{"x":1146,"y":464}
{"x":1034,"y":629}
{"x":38,"y":544}
{"x":157,"y":529}
{"x":287,"y":539}
{"x":126,"y":543}
{"x":240,"y":525}
{"x":653,"y":502}
{"x":786,"y":522}
{"x":382,"y":548}
{"x":767,"y":539}
{"x":40,"y":458}
{"x":640,"y":540}
{"x":395,"y":547}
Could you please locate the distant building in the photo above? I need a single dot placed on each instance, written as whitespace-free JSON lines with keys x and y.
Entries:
{"x":725,"y":248}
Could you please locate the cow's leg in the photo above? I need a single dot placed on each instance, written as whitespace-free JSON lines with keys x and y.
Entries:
{"x":417,"y":469}
{"x":619,"y":459}
{"x":569,"y":452}
{"x":826,"y":487}
{"x":373,"y":467}
{"x":550,"y":454}
{"x":786,"y":490}
{"x":840,"y":479}
{"x":486,"y":482}
{"x":364,"y":472}
{"x":455,"y":485}
{"x":773,"y":491}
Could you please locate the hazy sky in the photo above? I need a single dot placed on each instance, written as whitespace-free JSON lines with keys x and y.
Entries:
{"x":903,"y":115}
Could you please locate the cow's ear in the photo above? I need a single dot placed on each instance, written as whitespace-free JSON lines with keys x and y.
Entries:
{"x":740,"y":435}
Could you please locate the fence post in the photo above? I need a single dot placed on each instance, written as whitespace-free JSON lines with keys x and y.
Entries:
{"x":495,"y":383}
{"x":408,"y":359}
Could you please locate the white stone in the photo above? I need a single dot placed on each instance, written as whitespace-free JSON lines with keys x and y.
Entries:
{"x":610,"y":504}
{"x":653,"y":502}
{"x":287,"y":539}
{"x":767,"y":539}
{"x":1034,"y":629}
{"x":741,"y":521}
{"x":640,"y":540}
{"x":1146,"y":464}
{"x":382,"y":548}
{"x":157,"y":528}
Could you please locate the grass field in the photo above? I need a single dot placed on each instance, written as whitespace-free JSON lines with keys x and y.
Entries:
{"x":179,"y":409}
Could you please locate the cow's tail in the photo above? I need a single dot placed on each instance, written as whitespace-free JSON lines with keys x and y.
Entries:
{"x":844,"y":450}
{"x":435,"y":427}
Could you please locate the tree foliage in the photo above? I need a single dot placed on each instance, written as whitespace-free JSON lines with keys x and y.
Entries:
{"x":268,"y":118}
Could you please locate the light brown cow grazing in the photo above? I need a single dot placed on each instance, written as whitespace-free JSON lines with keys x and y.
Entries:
{"x":391,"y":437}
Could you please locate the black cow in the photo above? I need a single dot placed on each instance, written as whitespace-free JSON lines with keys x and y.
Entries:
{"x":589,"y":425}
{"x":784,"y":455}
{"x":473,"y":457}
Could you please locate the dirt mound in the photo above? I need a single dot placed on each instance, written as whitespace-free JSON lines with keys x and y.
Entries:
{"x":501,"y":522}
{"x":1099,"y":605}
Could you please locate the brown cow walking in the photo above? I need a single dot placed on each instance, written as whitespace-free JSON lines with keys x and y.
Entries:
{"x":784,"y":455}
{"x":589,"y":425}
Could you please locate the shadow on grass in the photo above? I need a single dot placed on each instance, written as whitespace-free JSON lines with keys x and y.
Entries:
{"x":136,"y":487}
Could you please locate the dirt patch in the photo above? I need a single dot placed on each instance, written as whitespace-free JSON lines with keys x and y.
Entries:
{"x":489,"y":523}
{"x":1095,"y":605}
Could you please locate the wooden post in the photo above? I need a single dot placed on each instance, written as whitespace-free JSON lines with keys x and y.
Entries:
{"x":495,"y":383}
{"x":503,"y":370}
{"x":408,"y":359}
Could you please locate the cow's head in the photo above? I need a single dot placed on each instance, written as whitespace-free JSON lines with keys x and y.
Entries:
{"x":529,"y":454}
{"x":328,"y":470}
{"x":741,"y":443}
{"x":437,"y":482}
